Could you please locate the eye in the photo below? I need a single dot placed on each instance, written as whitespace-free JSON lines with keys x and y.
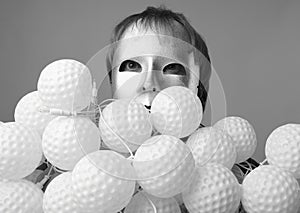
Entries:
{"x":130,"y":66}
{"x":174,"y":69}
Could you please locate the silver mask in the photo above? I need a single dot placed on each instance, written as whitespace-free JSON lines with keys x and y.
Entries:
{"x":145,"y":64}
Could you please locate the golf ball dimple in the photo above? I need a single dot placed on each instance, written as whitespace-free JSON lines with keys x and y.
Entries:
{"x":103,"y":181}
{"x":124,"y":121}
{"x":269,"y":189}
{"x":164,"y":166}
{"x":214,"y":189}
{"x":27,"y":112}
{"x":65,"y":84}
{"x":210,"y":145}
{"x":20,"y":150}
{"x":141,"y":203}
{"x":67,"y":139}
{"x":243,"y":136}
{"x":20,"y":196}
{"x":283,"y":148}
{"x":58,"y":195}
{"x":176,"y":111}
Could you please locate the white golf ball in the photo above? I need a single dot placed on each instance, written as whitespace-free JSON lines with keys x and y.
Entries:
{"x":143,"y":203}
{"x":20,"y":196}
{"x":125,"y":120}
{"x":67,"y":139}
{"x":27,"y":112}
{"x":20,"y":150}
{"x":103,"y":181}
{"x":211,"y":145}
{"x":164,"y":166}
{"x":283,"y":148}
{"x":243,"y":136}
{"x":214,"y":189}
{"x":65,"y":84}
{"x":58,"y":195}
{"x":176,"y":111}
{"x":269,"y":189}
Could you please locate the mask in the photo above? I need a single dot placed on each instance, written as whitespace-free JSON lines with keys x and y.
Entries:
{"x":146,"y":63}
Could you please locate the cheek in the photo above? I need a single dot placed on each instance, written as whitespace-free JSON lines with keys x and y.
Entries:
{"x":126,"y":85}
{"x":168,"y":81}
{"x":127,"y":79}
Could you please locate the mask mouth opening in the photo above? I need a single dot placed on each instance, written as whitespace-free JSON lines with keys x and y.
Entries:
{"x":148,"y":107}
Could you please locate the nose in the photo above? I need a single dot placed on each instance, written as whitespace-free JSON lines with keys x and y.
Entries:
{"x":149,"y":89}
{"x":151,"y":80}
{"x":150,"y":83}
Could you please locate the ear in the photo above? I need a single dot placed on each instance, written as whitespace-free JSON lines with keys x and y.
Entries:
{"x":205,"y":71}
{"x":110,"y":76}
{"x":194,"y":73}
{"x":201,"y":69}
{"x":202,"y":94}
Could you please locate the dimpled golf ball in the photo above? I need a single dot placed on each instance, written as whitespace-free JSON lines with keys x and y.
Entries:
{"x":269,"y":189}
{"x":141,"y":203}
{"x":103,"y":181}
{"x":27,"y":112}
{"x":125,"y":121}
{"x":20,"y":150}
{"x":214,"y":189}
{"x":283,"y":148}
{"x":164,"y":166}
{"x":58,"y":195}
{"x":176,"y":111}
{"x":20,"y":196}
{"x":211,"y":145}
{"x":243,"y":136}
{"x":67,"y":139}
{"x":65,"y":84}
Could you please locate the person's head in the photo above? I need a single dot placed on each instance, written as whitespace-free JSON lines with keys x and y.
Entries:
{"x":155,"y":49}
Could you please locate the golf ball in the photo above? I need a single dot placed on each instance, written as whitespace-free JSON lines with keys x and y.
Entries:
{"x":164,"y":166}
{"x":27,"y":112}
{"x":20,"y":196}
{"x":67,"y":139}
{"x":176,"y":111}
{"x":20,"y":150}
{"x":211,"y":145}
{"x":214,"y":189}
{"x":243,"y":136}
{"x":103,"y":181}
{"x":58,"y":195}
{"x":269,"y":189}
{"x":125,"y":121}
{"x":65,"y":84}
{"x":143,"y":203}
{"x":283,"y":148}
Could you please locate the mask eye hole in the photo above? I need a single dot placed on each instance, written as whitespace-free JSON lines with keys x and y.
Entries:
{"x":174,"y":69}
{"x":130,"y":66}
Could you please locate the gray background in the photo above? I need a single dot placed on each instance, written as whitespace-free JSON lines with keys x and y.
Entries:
{"x":254,"y":46}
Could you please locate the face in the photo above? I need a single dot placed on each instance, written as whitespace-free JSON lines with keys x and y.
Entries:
{"x":145,"y":62}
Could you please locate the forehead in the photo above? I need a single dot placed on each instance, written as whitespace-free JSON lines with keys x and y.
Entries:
{"x":137,"y":41}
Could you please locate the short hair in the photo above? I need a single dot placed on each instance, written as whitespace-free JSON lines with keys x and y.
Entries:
{"x":156,"y":18}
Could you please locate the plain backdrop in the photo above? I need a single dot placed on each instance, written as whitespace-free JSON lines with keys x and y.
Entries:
{"x":254,"y":46}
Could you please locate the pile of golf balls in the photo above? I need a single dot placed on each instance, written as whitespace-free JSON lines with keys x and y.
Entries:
{"x":134,"y":159}
{"x":273,"y":187}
